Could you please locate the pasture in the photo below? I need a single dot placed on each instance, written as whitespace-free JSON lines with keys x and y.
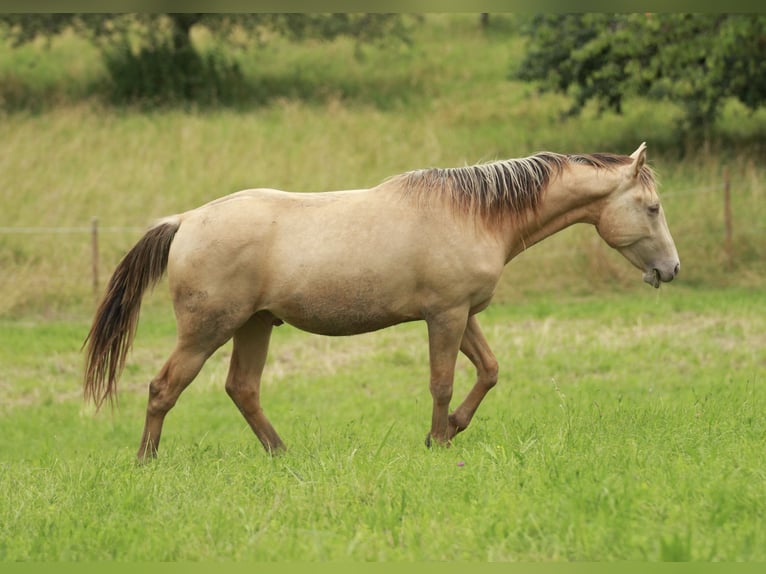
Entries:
{"x":627,"y":424}
{"x":623,"y":428}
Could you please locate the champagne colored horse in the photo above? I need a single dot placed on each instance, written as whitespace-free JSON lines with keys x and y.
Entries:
{"x":424,"y":245}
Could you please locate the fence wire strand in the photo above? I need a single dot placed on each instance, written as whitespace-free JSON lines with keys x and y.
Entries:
{"x":91,"y":229}
{"x":78,"y":229}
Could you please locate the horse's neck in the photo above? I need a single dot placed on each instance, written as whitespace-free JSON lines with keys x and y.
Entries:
{"x":577,"y":196}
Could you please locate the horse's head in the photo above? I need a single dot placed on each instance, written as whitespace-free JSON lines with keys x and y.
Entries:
{"x":632,"y":221}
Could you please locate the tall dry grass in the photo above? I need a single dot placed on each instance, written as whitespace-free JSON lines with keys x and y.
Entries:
{"x":371,"y":117}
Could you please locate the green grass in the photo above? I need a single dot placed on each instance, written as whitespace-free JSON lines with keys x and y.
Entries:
{"x":623,"y":428}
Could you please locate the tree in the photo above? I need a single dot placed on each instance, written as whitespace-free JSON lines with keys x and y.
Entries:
{"x":152,"y":56}
{"x":696,"y":60}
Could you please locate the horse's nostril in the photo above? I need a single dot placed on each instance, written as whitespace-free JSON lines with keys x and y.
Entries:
{"x":677,"y":269}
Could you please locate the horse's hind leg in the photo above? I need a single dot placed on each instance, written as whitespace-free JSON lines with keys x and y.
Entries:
{"x":475,"y":347}
{"x":180,"y":369}
{"x":248,"y":357}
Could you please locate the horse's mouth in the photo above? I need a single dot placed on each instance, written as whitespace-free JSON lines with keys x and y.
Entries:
{"x":653,"y":278}
{"x":656,"y":276}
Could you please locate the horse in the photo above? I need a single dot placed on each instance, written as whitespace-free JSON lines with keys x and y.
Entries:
{"x":428,"y":244}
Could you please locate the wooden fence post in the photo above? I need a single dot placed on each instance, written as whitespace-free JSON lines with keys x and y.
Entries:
{"x":94,"y":252}
{"x":727,"y":245}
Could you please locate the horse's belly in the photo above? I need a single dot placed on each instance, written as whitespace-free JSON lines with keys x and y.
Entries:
{"x":344,"y":305}
{"x":337,"y":316}
{"x":341,"y":324}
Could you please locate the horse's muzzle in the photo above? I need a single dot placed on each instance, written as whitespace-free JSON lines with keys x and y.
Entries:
{"x":657,"y":275}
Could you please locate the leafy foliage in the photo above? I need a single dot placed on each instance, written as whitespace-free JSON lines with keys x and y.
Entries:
{"x":696,"y":60}
{"x":153,"y":57}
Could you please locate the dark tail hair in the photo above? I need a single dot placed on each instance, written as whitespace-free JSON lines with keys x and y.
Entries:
{"x":114,"y":325}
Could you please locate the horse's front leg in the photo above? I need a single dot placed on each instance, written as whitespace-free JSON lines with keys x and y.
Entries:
{"x":445,"y":332}
{"x":475,"y":347}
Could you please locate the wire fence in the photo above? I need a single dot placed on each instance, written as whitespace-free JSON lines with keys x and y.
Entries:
{"x":80,"y":229}
{"x":723,"y":188}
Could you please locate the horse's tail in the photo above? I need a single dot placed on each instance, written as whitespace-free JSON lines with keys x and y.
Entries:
{"x":114,"y":325}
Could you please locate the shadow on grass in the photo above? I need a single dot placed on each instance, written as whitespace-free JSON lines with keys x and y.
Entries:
{"x":210,"y":84}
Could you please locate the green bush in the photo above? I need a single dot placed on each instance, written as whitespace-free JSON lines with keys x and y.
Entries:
{"x":162,"y":74}
{"x":153,"y":58}
{"x":695,"y":60}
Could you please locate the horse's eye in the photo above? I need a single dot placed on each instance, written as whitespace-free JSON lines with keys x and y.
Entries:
{"x":654,"y":209}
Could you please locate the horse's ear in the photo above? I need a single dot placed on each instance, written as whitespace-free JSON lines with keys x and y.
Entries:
{"x":639,"y":159}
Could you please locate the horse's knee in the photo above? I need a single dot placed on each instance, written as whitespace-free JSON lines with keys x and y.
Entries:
{"x":245,"y":396}
{"x":441,"y":392}
{"x":232,"y":387}
{"x":237,"y":385}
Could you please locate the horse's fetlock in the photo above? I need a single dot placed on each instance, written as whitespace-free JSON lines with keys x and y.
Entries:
{"x":459,"y":422}
{"x":441,"y":393}
{"x":491,"y":374}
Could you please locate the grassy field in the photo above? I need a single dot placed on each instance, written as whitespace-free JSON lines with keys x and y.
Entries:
{"x":622,"y":429}
{"x":627,"y":424}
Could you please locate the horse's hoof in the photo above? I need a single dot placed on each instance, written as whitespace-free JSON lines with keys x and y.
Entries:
{"x":277,"y":451}
{"x":143,"y":460}
{"x":431,"y":441}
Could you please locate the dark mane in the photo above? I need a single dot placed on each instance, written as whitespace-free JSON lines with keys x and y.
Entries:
{"x":508,"y":187}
